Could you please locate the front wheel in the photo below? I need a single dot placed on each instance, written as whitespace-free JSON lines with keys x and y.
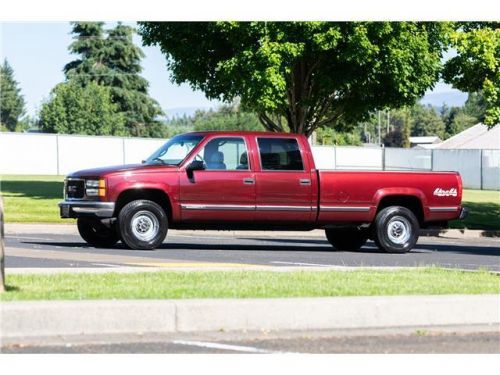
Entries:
{"x":346,"y":239}
{"x":143,"y":224}
{"x":96,"y":233}
{"x":396,"y":229}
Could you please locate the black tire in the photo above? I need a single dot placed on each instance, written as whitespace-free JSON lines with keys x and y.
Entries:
{"x":96,"y":233}
{"x":346,"y":239}
{"x":396,"y":229}
{"x":142,"y":225}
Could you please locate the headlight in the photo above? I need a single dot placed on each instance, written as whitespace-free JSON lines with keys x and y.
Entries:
{"x":95,"y":188}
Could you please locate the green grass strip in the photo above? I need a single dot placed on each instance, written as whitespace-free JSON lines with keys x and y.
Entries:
{"x":248,"y":284}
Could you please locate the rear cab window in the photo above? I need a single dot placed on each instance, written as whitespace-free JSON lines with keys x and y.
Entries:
{"x":280,"y":154}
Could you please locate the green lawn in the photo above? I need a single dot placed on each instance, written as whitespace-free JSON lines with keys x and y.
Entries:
{"x":248,"y":284}
{"x":484,"y":206}
{"x":33,"y":199}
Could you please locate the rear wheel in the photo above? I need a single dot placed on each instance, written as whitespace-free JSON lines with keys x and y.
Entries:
{"x":96,"y":233}
{"x":346,"y":239}
{"x":396,"y":229}
{"x":143,"y":225}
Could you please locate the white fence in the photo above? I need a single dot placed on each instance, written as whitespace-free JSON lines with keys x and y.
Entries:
{"x":51,"y":154}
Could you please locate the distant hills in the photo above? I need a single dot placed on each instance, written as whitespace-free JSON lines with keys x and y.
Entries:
{"x":451,"y":98}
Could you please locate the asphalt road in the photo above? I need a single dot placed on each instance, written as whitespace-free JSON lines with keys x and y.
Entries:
{"x":210,"y":249}
{"x":421,"y":340}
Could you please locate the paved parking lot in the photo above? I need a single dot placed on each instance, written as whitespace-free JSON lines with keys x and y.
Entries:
{"x":214,"y":249}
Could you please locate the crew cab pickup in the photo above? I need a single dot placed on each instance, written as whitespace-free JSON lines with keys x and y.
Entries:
{"x":255,"y":180}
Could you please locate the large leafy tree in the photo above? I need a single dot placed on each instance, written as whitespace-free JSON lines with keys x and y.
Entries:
{"x":298,"y":76}
{"x":11,"y":101}
{"x":476,"y":67}
{"x":76,"y":109}
{"x":110,"y":58}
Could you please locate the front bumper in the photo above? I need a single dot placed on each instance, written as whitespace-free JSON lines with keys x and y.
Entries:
{"x":76,"y":209}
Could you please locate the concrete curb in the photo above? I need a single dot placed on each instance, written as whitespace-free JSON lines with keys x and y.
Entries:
{"x":65,"y":229}
{"x":48,"y":318}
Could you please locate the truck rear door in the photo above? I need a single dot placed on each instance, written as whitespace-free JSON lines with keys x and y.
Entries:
{"x":284,"y":181}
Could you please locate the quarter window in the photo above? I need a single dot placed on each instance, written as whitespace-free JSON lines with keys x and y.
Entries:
{"x":280,"y":154}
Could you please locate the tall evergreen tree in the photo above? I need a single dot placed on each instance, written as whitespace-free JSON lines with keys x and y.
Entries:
{"x":89,"y":43}
{"x":128,"y":89}
{"x":11,"y":100}
{"x":111,"y":59}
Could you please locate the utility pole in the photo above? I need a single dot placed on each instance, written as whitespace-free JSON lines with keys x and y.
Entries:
{"x":379,"y":140}
{"x":388,"y":120}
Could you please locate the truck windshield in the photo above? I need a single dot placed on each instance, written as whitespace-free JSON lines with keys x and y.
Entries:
{"x":175,"y":150}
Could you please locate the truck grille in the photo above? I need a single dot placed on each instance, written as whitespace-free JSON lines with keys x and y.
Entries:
{"x":75,"y":189}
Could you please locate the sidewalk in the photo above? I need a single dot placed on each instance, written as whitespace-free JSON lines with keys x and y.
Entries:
{"x":49,"y":318}
{"x":70,"y":229}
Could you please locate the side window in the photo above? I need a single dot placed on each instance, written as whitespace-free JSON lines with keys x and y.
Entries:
{"x":225,"y":154}
{"x":280,"y":154}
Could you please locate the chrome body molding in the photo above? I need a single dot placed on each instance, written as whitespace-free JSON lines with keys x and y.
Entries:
{"x":443,"y":209}
{"x":74,"y":209}
{"x":245,"y":207}
{"x":284,"y":208}
{"x":344,"y":208}
{"x":219,"y":207}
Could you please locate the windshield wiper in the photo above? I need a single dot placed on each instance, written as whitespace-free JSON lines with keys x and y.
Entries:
{"x":160,"y":160}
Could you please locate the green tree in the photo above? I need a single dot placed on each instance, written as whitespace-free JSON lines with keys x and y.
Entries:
{"x":11,"y":100}
{"x":311,"y":74}
{"x":90,"y":44}
{"x":461,"y":121}
{"x":73,"y":109}
{"x":328,"y":136}
{"x":475,"y":106}
{"x":114,"y":61}
{"x":476,"y":68}
{"x":227,"y":117}
{"x":426,"y":122}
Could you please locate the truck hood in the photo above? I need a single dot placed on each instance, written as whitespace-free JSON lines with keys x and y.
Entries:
{"x":103,"y":171}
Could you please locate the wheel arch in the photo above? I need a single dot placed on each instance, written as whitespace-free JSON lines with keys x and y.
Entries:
{"x":156,"y":195}
{"x":411,"y":201}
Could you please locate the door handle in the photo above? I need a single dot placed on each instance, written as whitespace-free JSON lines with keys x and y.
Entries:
{"x":305,"y":181}
{"x":248,"y":181}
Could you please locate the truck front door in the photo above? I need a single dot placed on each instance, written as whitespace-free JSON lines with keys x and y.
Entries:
{"x":225,"y":189}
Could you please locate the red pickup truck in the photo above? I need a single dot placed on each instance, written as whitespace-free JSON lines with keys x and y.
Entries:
{"x":255,"y":180}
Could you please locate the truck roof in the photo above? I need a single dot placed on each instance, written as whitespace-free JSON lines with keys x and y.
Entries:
{"x":236,"y":132}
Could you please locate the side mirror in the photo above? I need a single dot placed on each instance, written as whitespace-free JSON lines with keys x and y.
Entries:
{"x":196,"y":165}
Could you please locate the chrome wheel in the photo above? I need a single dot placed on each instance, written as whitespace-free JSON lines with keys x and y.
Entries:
{"x":399,"y":230}
{"x":145,"y":225}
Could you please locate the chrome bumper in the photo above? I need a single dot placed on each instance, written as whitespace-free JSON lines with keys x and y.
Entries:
{"x":75,"y":209}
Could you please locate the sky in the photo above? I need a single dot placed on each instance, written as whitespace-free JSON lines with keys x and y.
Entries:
{"x":37,"y":51}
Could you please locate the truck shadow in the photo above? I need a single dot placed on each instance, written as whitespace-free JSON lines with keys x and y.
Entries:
{"x":321,"y":246}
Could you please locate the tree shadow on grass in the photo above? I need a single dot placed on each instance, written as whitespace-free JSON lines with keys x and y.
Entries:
{"x":12,"y":288}
{"x":482,"y":215}
{"x":32,"y":189}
